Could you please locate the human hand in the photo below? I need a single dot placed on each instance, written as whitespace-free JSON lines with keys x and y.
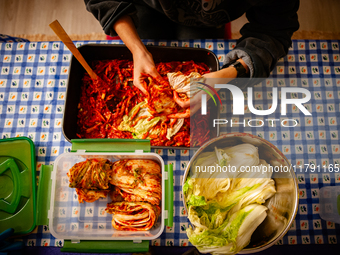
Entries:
{"x":227,"y":74}
{"x":194,"y":103}
{"x":218,"y":77}
{"x":184,"y":103}
{"x":212,"y":78}
{"x":143,"y":64}
{"x":142,"y":59}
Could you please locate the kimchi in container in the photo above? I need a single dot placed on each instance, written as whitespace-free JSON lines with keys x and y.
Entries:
{"x":77,"y":223}
{"x":94,"y":52}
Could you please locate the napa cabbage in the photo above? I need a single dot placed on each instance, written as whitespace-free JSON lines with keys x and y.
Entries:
{"x":225,"y":209}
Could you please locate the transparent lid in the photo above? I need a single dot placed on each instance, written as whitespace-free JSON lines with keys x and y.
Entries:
{"x":69,"y":219}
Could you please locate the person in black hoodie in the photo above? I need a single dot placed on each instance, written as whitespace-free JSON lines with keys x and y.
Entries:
{"x":265,"y":39}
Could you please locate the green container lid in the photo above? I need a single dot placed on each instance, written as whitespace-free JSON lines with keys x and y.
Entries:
{"x":17,"y":185}
{"x":22,"y":207}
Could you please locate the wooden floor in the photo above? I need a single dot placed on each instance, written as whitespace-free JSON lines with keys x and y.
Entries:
{"x":319,"y":19}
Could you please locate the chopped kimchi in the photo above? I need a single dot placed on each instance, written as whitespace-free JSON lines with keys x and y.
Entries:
{"x":111,"y":107}
{"x":134,"y":186}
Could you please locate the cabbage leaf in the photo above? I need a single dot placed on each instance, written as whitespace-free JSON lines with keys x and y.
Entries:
{"x":232,"y":235}
{"x":225,"y":209}
{"x":137,"y":121}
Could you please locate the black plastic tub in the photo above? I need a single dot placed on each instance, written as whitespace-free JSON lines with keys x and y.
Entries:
{"x":92,"y":52}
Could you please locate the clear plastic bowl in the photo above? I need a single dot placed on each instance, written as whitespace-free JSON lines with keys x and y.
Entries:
{"x":330,"y":203}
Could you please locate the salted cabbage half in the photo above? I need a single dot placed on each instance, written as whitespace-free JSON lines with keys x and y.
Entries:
{"x":226,"y":209}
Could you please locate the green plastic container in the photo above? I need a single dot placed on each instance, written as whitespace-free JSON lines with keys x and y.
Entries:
{"x":17,"y":185}
{"x":55,"y":204}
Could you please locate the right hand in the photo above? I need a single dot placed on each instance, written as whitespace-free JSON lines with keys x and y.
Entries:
{"x":142,"y":59}
{"x":143,"y":64}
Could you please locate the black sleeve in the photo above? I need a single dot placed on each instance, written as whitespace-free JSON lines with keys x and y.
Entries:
{"x":108,"y":12}
{"x":267,"y":36}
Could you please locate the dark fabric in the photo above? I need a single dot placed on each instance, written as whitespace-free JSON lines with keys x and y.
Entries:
{"x":156,"y":25}
{"x":108,"y":12}
{"x":266,"y":38}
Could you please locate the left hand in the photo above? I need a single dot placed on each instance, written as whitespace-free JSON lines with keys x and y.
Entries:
{"x":221,"y":76}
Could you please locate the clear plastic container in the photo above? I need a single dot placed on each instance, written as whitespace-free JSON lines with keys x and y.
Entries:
{"x":330,"y":203}
{"x":71,"y":220}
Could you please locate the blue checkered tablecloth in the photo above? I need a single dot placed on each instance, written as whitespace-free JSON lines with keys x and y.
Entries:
{"x":33,"y":79}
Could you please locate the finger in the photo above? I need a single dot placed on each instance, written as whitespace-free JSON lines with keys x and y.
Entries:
{"x":182,"y":103}
{"x":140,"y":86}
{"x":177,"y":99}
{"x":156,"y":75}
